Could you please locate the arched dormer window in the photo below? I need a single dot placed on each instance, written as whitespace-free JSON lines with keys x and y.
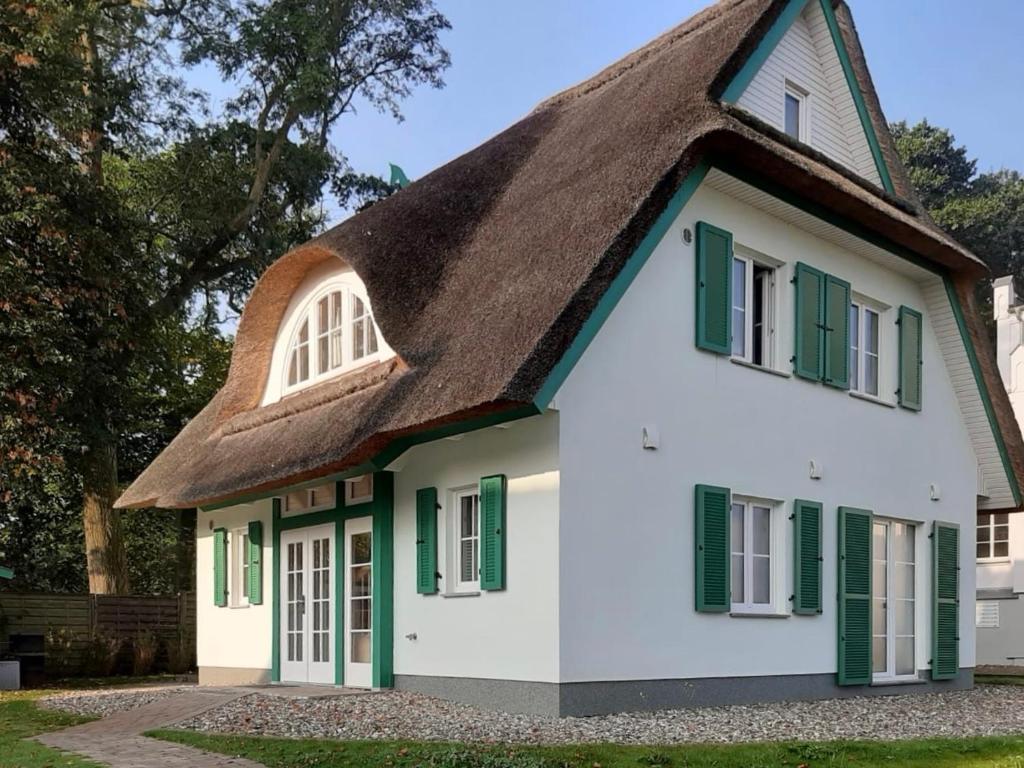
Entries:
{"x":333,"y":332}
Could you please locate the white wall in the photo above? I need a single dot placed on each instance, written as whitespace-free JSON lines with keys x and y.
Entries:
{"x":626,"y":554}
{"x":510,"y":634}
{"x":238,"y":637}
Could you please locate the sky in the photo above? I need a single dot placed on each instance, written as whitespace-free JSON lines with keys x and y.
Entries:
{"x":958,"y":63}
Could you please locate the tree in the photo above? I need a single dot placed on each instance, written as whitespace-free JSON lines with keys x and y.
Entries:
{"x":133,"y":214}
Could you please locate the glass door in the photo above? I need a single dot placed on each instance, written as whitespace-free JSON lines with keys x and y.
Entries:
{"x":307,"y":632}
{"x":359,"y":602}
{"x":893,"y":604}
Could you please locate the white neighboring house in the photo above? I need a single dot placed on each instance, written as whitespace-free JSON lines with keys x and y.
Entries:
{"x":670,"y":394}
{"x":1000,"y":537}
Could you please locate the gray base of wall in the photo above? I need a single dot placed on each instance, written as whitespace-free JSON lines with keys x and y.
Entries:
{"x":233,"y":676}
{"x":600,"y":698}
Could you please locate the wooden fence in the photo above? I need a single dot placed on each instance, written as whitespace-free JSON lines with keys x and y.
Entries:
{"x":82,"y":617}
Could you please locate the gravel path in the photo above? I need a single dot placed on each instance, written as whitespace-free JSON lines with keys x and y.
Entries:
{"x":100,"y":703}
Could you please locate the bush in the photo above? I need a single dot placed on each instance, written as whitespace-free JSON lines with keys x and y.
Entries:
{"x":58,"y":647}
{"x":144,"y":648}
{"x":180,"y":654}
{"x":99,"y":658}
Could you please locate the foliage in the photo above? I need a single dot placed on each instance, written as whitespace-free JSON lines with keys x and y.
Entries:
{"x":59,"y":645}
{"x":144,"y":648}
{"x":99,"y":656}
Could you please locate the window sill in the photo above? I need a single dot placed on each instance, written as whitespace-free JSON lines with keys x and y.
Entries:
{"x":460,"y":594}
{"x":757,"y":615}
{"x":872,"y":399}
{"x":756,"y":367}
{"x":992,"y":560}
{"x":240,"y":605}
{"x":898,"y":681}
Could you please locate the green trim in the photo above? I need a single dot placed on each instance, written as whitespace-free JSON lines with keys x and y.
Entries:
{"x":858,"y":97}
{"x":713,"y":299}
{"x":764,"y":49}
{"x":807,"y":518}
{"x":808,"y":321}
{"x":862,"y":655}
{"x":275,"y":598}
{"x":383,"y":579}
{"x":6,"y":573}
{"x":716,"y":562}
{"x":941,"y":569}
{"x":972,"y":356}
{"x":906,"y":313}
{"x":615,"y":291}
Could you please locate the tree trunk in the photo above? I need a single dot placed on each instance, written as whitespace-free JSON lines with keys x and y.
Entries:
{"x":104,"y":540}
{"x":185,"y":570}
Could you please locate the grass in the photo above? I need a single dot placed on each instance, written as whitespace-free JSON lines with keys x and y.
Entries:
{"x":21,"y":718}
{"x":991,"y":752}
{"x":999,"y":679}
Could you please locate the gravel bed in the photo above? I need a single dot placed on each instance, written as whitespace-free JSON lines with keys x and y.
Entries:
{"x":101,"y":702}
{"x":986,"y":710}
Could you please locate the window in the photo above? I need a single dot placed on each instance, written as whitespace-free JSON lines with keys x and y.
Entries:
{"x":993,"y":535}
{"x":310,"y":499}
{"x":324,"y":345}
{"x":752,"y":575}
{"x":359,"y":490}
{"x":753,"y":310}
{"x":864,"y":349}
{"x":893,"y":603}
{"x":986,"y":614}
{"x":796,"y":112}
{"x":239,"y":589}
{"x":466,"y":539}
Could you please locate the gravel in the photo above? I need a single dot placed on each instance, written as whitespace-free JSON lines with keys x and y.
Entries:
{"x":986,"y":710}
{"x":100,"y":703}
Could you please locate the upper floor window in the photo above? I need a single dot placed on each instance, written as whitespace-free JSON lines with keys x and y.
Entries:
{"x":753,"y":308}
{"x":337,"y":332}
{"x":796,"y":112}
{"x":993,"y":535}
{"x":864,"y":348}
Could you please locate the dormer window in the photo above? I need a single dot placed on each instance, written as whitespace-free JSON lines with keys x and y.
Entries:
{"x":796,"y":112}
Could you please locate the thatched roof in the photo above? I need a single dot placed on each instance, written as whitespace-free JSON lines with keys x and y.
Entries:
{"x":482,"y":272}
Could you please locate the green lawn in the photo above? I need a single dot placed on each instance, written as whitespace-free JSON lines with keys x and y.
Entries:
{"x":20,"y":718}
{"x":309,"y":753}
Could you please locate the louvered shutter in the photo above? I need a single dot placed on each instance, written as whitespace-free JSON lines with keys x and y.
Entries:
{"x":911,"y":331}
{"x":426,"y":541}
{"x":806,"y":557}
{"x":854,"y":596}
{"x":492,"y":532}
{"x":255,"y":555}
{"x":220,"y":567}
{"x":809,"y":357}
{"x":714,"y":279}
{"x":711,"y":506}
{"x":945,"y":600}
{"x":837,"y":332}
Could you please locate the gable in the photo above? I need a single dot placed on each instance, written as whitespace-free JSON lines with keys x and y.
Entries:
{"x":808,"y":61}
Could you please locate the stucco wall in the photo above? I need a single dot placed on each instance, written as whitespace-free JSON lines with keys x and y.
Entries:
{"x":232,"y":637}
{"x":626,"y":607}
{"x":510,"y":634}
{"x":1004,"y":645}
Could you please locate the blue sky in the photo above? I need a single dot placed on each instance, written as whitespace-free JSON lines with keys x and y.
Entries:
{"x":960,"y":64}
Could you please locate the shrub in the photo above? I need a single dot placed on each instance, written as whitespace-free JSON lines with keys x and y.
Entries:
{"x":144,"y":648}
{"x":99,"y":657}
{"x":58,"y":648}
{"x":180,"y":654}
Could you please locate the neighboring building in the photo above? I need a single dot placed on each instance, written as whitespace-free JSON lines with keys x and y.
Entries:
{"x":607,"y":412}
{"x":1000,"y":535}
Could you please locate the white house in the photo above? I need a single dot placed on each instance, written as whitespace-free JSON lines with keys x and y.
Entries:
{"x":669,"y":394}
{"x":1000,"y":536}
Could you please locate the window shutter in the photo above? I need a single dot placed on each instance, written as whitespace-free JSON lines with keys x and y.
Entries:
{"x":713,"y":591}
{"x":255,"y":555}
{"x":220,"y":567}
{"x":714,"y":280}
{"x":945,"y":600}
{"x":911,"y":330}
{"x":854,"y":596}
{"x":426,"y":541}
{"x":809,"y":357}
{"x":806,"y":557}
{"x":837,"y":332}
{"x":492,"y":532}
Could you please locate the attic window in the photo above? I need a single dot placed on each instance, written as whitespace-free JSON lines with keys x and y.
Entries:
{"x":796,"y":112}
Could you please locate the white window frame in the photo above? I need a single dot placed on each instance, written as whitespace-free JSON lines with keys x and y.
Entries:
{"x":992,"y":525}
{"x":891,"y":600}
{"x":858,"y":383}
{"x":238,"y":550}
{"x":776,"y":605}
{"x":455,"y":540}
{"x":803,"y":98}
{"x":350,"y":498}
{"x":769,"y":341}
{"x":287,"y":510}
{"x":309,"y":315}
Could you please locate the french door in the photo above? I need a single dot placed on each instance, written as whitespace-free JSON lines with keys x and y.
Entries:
{"x":359,"y":602}
{"x":893,"y":603}
{"x":307,"y":610}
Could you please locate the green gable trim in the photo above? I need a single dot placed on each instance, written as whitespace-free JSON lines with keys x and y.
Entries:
{"x":764,"y":49}
{"x":610,"y":299}
{"x":275,"y":596}
{"x":858,"y":97}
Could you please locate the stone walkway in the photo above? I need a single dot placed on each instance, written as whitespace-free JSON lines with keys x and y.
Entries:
{"x":117,"y":741}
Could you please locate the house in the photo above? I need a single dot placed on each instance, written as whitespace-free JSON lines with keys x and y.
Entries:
{"x":1000,"y":536}
{"x":669,"y":394}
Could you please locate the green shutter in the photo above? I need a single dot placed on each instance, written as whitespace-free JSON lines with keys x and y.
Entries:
{"x":806,"y":557}
{"x":714,"y":280}
{"x":426,"y":541}
{"x":911,"y":331}
{"x":809,"y":345}
{"x":837,"y":332}
{"x":220,"y":566}
{"x":711,"y":506}
{"x":492,"y":532}
{"x":854,"y":596}
{"x":255,"y":555}
{"x":945,"y":600}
